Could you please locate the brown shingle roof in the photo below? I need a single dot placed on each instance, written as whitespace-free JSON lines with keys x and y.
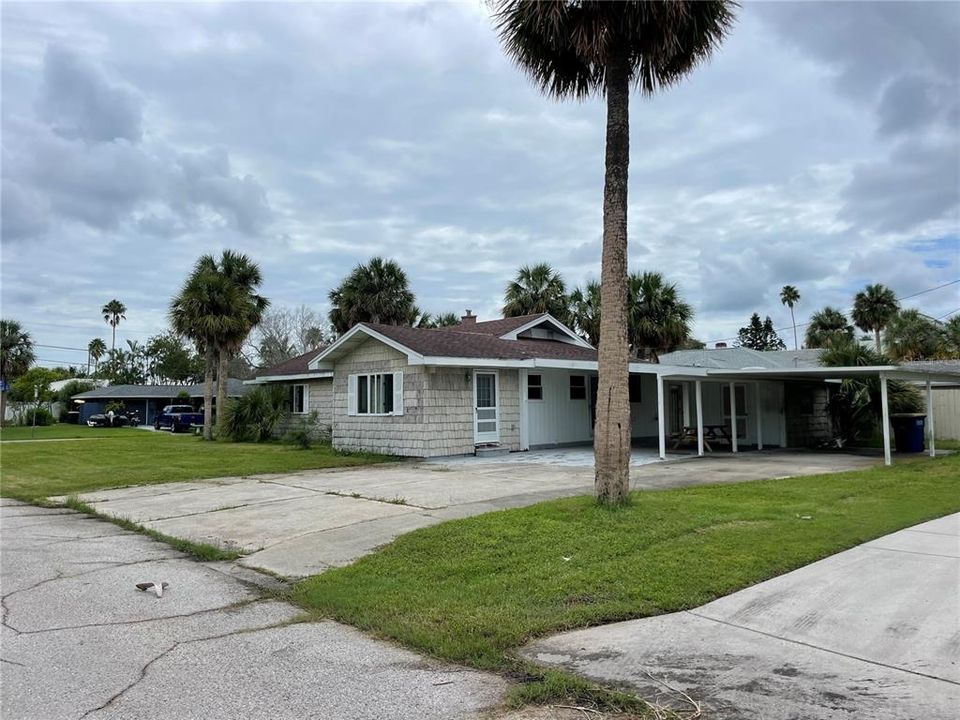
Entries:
{"x":466,"y":342}
{"x":293,"y":366}
{"x":493,"y":327}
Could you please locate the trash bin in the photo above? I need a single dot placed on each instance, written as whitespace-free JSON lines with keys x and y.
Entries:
{"x":908,"y":431}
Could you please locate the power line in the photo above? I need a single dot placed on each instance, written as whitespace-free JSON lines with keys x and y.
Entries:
{"x":800,"y":325}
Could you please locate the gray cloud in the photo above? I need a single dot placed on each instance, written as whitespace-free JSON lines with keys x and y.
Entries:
{"x":79,"y":102}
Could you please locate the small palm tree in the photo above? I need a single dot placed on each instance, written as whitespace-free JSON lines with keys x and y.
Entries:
{"x":113,"y":312}
{"x":577,"y":49}
{"x":376,"y":292}
{"x":585,"y":311}
{"x":95,"y":350}
{"x":16,"y":357}
{"x":658,"y":318}
{"x":873,"y":308}
{"x":790,"y":296}
{"x":536,"y":289}
{"x":828,"y":327}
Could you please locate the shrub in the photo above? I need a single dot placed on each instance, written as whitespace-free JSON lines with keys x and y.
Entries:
{"x":255,"y":416}
{"x":44,"y":417}
{"x":301,"y":437}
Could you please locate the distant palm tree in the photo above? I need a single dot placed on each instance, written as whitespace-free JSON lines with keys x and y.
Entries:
{"x":585,"y":311}
{"x":790,"y":296}
{"x":658,"y":318}
{"x":113,"y":312}
{"x":204,"y":312}
{"x":246,"y":276}
{"x":873,"y":308}
{"x":576,"y":49}
{"x":910,"y":335}
{"x":95,"y":350}
{"x":951,"y":337}
{"x":16,"y":357}
{"x":828,"y":327}
{"x":376,"y":292}
{"x":536,"y":289}
{"x":426,"y":320}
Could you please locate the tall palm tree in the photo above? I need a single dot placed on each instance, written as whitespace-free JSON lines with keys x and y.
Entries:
{"x":658,"y":319}
{"x":585,"y":311}
{"x":376,"y":292}
{"x":911,"y":335}
{"x":95,"y":350}
{"x":576,"y":49}
{"x":536,"y":289}
{"x":790,"y":296}
{"x":873,"y":308}
{"x":248,"y":311}
{"x":16,"y":357}
{"x":828,"y":327}
{"x":113,"y":312}
{"x":204,"y":312}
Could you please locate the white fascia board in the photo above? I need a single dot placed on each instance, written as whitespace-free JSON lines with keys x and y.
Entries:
{"x":566,"y":364}
{"x":677,"y":371}
{"x":574,"y":338}
{"x":412,"y":357}
{"x":444,"y":361}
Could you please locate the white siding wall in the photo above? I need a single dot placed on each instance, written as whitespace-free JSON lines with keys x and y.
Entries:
{"x":556,"y":419}
{"x":946,"y":412}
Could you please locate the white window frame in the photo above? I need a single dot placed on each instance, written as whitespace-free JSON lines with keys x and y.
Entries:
{"x":306,"y":399}
{"x":354,"y":383}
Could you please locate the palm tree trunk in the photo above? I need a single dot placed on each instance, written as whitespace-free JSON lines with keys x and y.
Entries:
{"x":209,"y":360}
{"x":796,"y":345}
{"x":113,"y":342}
{"x":3,"y":407}
{"x":222,"y":384}
{"x":611,"y":444}
{"x":876,"y":334}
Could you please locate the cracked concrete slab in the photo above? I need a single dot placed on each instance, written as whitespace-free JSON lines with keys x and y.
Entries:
{"x":870,"y":632}
{"x":79,"y":641}
{"x":294,"y":526}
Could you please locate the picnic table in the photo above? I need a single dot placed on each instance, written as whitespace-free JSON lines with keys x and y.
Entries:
{"x":715,"y":433}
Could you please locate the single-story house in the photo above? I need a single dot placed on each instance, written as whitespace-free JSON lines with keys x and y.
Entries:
{"x":530,"y":382}
{"x":146,"y":401}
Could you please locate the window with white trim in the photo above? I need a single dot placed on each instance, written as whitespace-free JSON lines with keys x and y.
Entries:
{"x":534,"y":387}
{"x":298,"y":399}
{"x":578,"y":387}
{"x":375,"y":394}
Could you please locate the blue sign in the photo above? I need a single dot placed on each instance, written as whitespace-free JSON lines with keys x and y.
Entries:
{"x":4,"y":386}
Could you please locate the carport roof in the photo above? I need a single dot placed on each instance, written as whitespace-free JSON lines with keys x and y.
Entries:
{"x":235,"y":388}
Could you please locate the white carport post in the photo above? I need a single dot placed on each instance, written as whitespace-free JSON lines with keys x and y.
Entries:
{"x":930,"y":428}
{"x":886,"y":419}
{"x":699,"y":395}
{"x":685,"y":390}
{"x":733,"y":417}
{"x":661,"y":420}
{"x":759,"y":417}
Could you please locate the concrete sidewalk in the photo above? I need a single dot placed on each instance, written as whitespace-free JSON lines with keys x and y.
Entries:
{"x":80,"y":641}
{"x":304,"y":523}
{"x":872,"y":632}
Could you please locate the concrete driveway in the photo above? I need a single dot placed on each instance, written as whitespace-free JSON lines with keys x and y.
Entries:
{"x":304,"y":523}
{"x":80,"y":641}
{"x":873,"y":632}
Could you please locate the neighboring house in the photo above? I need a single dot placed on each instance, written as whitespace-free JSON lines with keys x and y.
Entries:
{"x":311,"y":393}
{"x":946,"y":400}
{"x":147,"y":400}
{"x":531,"y":382}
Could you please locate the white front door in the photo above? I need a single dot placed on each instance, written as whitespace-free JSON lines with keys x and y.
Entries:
{"x":486,"y":426}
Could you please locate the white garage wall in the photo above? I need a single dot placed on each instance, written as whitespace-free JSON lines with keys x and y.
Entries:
{"x":558,"y":420}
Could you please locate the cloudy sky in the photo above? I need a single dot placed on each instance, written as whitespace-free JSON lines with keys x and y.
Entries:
{"x":820,"y":147}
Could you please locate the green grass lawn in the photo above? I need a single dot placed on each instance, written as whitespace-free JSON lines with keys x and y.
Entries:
{"x":474,"y":590}
{"x":122,"y":456}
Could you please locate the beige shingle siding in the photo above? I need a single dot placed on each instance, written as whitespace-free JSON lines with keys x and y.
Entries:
{"x":437,"y":415}
{"x":320,"y":401}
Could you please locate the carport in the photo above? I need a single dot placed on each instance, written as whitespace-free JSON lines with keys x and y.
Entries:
{"x":758,"y":378}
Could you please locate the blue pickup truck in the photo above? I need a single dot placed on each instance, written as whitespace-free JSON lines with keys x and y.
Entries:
{"x":176,"y":418}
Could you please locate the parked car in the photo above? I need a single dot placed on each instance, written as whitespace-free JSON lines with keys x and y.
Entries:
{"x":177,"y":417}
{"x":112,"y":420}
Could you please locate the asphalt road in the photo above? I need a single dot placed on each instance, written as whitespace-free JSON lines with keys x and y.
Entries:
{"x":80,"y":641}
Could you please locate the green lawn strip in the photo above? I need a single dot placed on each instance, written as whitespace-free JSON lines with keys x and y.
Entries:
{"x":473,"y":591}
{"x":63,"y":431}
{"x":201,"y":551}
{"x":33,"y":471}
